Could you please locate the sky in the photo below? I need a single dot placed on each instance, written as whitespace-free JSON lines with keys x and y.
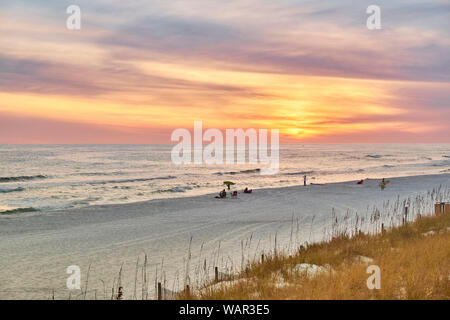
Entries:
{"x":138,"y":69}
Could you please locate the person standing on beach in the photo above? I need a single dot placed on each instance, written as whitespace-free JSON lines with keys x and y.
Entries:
{"x":304,"y":180}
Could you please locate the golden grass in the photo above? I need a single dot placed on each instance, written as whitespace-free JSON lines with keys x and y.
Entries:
{"x":413,"y":266}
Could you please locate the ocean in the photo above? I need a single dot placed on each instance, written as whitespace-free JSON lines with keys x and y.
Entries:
{"x":52,"y":177}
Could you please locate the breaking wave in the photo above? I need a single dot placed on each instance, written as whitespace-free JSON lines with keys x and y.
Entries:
{"x":12,"y":190}
{"x":299,"y":173}
{"x":132,"y":180}
{"x":21,"y":178}
{"x":95,"y":174}
{"x":19,"y":210}
{"x":239,"y":172}
{"x":174,"y":189}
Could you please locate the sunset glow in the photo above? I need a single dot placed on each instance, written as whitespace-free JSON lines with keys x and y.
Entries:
{"x":136,"y":71}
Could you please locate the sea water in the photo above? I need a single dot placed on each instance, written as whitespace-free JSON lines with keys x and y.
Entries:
{"x":51,"y":177}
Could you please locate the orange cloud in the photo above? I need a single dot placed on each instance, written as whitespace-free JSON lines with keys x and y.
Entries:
{"x":318,"y":80}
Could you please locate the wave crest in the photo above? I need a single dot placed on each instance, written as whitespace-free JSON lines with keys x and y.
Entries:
{"x":12,"y":190}
{"x":19,"y":210}
{"x":239,"y":172}
{"x":21,"y":178}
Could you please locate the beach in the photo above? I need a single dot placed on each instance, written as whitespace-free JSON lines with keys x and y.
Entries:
{"x":180,"y":236}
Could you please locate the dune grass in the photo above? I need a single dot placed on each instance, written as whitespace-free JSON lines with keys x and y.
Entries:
{"x":414,"y":260}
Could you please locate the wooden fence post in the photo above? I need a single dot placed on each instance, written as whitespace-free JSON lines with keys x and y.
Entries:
{"x":405,"y":219}
{"x":441,"y":208}
{"x":159,"y":291}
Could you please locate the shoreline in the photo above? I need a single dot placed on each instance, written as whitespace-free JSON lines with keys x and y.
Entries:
{"x":205,"y":196}
{"x":212,"y":195}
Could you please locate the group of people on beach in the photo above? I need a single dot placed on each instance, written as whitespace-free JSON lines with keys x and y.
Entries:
{"x":223,"y":193}
{"x":383,"y":183}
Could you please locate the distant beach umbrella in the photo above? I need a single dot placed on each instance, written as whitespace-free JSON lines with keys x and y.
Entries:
{"x":228,"y":184}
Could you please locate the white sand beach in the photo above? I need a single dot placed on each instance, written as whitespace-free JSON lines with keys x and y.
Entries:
{"x":36,"y":248}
